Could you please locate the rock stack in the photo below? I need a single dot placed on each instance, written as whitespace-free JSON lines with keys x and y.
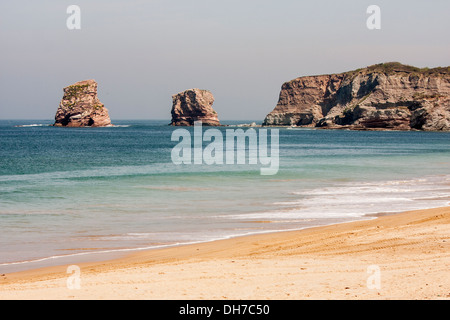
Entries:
{"x":193,"y":105}
{"x":80,"y":107}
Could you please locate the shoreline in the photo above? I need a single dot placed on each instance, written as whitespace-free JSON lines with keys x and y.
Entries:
{"x":263,"y":266}
{"x":114,"y":254}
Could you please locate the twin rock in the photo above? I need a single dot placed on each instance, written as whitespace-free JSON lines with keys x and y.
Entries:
{"x":80,"y":107}
{"x":387,"y":96}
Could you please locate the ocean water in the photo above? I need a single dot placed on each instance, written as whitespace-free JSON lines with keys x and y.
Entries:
{"x":69,"y":195}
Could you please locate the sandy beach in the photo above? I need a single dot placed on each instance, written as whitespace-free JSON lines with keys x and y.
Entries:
{"x":401,"y":256}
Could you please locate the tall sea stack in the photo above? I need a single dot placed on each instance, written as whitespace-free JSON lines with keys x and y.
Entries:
{"x":80,"y":107}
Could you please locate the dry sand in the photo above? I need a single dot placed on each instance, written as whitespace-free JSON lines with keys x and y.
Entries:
{"x":402,"y":256}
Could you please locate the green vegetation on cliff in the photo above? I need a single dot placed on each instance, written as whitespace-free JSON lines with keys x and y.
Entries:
{"x":390,"y":68}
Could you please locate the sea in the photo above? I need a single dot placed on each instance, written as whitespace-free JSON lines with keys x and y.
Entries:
{"x":71,"y":195}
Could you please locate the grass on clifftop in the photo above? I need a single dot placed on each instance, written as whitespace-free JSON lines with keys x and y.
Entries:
{"x":397,"y":67}
{"x":390,"y":68}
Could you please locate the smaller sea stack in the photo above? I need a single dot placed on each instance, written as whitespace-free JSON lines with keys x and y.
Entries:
{"x":194,"y":105}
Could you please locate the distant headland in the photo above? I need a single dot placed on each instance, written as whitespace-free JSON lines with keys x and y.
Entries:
{"x":387,"y":96}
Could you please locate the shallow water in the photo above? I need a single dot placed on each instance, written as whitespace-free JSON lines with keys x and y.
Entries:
{"x":70,"y":192}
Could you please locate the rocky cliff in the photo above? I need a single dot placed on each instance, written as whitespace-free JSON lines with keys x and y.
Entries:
{"x":384,"y":96}
{"x":80,"y":107}
{"x":194,"y":105}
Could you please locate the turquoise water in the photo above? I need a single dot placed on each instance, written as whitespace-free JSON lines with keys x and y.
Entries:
{"x":71,"y":192}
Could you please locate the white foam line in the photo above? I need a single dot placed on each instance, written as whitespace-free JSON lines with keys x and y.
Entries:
{"x":33,"y":125}
{"x":176,"y":244}
{"x":89,"y":253}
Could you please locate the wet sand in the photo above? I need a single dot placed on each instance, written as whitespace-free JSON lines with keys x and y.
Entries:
{"x":401,"y":256}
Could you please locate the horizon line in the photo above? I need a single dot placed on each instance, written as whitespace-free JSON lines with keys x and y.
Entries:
{"x":150,"y":119}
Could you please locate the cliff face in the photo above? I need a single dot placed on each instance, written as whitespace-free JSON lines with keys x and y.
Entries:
{"x":194,"y":105}
{"x":384,"y":96}
{"x":80,"y":107}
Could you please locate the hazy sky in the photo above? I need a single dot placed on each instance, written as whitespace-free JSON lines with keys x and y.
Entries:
{"x":143,"y":52}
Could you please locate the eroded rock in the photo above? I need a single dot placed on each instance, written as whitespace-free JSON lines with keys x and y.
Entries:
{"x":385,"y":96}
{"x":80,"y":107}
{"x":194,"y":105}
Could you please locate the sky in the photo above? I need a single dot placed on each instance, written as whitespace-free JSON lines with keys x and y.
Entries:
{"x":142,"y":52}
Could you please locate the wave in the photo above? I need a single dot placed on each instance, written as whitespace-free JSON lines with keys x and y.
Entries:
{"x":32,"y":125}
{"x":326,"y":205}
{"x":49,"y":125}
{"x":88,"y":173}
{"x":353,"y":200}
